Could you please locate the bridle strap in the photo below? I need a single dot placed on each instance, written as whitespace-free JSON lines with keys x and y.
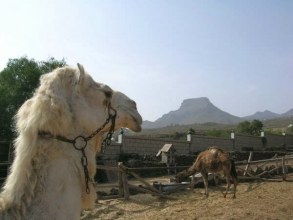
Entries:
{"x":107,"y":141}
{"x":74,"y":141}
{"x":80,"y":142}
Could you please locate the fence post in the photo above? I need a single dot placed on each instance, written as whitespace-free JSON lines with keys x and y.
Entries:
{"x":247,"y":165}
{"x":120,"y":181}
{"x":123,"y":184}
{"x":283,"y":168}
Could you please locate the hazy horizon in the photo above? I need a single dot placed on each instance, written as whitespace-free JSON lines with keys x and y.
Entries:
{"x":220,"y":109}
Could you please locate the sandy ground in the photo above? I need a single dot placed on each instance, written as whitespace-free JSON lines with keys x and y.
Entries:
{"x":255,"y":200}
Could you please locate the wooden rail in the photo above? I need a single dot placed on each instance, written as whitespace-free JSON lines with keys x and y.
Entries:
{"x":262,"y":161}
{"x":124,"y":185}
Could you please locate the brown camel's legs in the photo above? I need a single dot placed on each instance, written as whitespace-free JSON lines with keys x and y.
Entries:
{"x":206,"y":182}
{"x":216,"y":179}
{"x":228,"y":185}
{"x":235,"y":186}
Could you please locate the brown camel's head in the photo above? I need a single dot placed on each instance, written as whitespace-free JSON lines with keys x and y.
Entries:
{"x":179,"y":177}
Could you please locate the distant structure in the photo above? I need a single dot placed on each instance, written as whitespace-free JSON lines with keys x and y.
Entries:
{"x":167,"y":154}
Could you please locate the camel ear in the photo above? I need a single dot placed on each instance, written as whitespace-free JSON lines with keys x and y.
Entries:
{"x":81,"y":74}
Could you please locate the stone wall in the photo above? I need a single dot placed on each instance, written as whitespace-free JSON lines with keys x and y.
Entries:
{"x":143,"y":146}
{"x":275,"y":141}
{"x":200,"y":143}
{"x":243,"y":142}
{"x":151,"y":146}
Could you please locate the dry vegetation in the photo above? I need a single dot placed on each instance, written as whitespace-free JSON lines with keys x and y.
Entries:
{"x":255,"y":200}
{"x":276,"y":125}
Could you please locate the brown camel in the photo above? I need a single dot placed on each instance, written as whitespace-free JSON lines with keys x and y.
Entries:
{"x":212,"y":160}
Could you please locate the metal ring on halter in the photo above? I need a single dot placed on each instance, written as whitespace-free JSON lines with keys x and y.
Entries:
{"x":81,"y":141}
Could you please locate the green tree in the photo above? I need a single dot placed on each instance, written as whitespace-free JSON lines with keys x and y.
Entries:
{"x":191,"y":131}
{"x":17,"y":83}
{"x":244,"y":127}
{"x":256,"y":126}
{"x":252,"y":128}
{"x":178,"y":135}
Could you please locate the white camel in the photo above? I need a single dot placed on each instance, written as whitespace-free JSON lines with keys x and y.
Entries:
{"x":60,"y":130}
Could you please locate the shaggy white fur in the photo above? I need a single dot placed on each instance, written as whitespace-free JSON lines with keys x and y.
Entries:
{"x":46,"y":179}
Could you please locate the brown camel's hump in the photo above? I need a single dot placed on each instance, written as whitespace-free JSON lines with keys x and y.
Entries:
{"x":216,"y":148}
{"x":218,"y":152}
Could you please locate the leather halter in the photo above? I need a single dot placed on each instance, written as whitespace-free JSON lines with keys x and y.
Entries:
{"x":80,"y":142}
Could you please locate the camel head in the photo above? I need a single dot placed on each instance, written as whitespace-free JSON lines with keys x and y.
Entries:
{"x":100,"y":101}
{"x":180,"y":177}
{"x":127,"y":114}
{"x":111,"y":101}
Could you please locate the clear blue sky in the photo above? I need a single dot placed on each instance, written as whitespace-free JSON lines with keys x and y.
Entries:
{"x":239,"y":54}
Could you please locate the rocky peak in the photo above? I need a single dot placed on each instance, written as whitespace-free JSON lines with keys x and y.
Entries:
{"x":195,"y":103}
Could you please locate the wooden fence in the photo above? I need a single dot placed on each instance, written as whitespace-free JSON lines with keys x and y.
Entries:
{"x":264,"y":169}
{"x":247,"y":170}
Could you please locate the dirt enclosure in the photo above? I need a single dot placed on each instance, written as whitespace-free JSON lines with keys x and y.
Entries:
{"x":255,"y":200}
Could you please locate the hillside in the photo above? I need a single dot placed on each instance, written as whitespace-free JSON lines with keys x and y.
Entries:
{"x":265,"y":115}
{"x":274,"y":124}
{"x":202,"y":111}
{"x":196,"y":110}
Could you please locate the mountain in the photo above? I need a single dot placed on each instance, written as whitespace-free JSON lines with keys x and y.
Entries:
{"x":288,"y":113}
{"x":201,"y":110}
{"x":196,"y":110}
{"x":265,"y":115}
